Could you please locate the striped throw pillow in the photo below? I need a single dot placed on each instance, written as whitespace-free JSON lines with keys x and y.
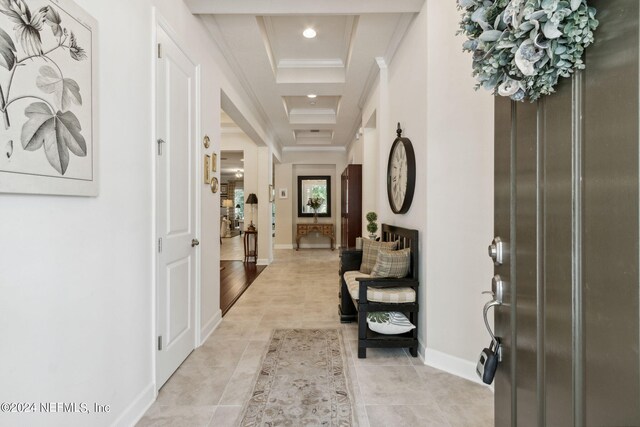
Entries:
{"x":392,"y":263}
{"x":370,"y":250}
{"x":388,"y":323}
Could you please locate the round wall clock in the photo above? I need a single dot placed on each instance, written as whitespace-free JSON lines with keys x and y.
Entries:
{"x":401,"y":174}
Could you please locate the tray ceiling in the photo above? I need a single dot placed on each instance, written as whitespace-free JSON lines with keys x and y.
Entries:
{"x":279,"y":67}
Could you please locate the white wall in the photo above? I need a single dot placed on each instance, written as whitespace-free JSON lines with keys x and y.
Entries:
{"x":77,"y":283}
{"x":460,"y":192}
{"x":428,"y":88}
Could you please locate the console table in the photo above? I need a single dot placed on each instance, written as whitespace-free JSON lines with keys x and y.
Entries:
{"x":250,"y":246}
{"x":324,"y":229}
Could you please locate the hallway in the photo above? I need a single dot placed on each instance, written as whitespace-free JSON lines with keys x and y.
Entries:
{"x":299,"y":290}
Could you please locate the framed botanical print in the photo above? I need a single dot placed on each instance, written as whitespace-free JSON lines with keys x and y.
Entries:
{"x":49,"y":97}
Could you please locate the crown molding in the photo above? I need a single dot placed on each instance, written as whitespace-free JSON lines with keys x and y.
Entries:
{"x":311,"y":63}
{"x":303,"y":7}
{"x":291,"y":149}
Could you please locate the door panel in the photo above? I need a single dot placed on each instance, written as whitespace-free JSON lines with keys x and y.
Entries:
{"x":525,"y":263}
{"x":557,"y":257}
{"x":610,"y":209}
{"x":178,"y":295}
{"x":571,"y":328}
{"x":178,"y":155}
{"x":176,"y":184}
{"x":502,"y":226}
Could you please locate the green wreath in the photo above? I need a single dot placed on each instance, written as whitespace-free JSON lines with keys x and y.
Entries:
{"x":522,"y":47}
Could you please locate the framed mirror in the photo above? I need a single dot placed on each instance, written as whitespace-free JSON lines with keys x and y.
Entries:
{"x":314,"y":191}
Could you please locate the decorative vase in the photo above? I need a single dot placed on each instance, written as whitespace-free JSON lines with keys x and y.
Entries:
{"x":373,"y":236}
{"x":315,"y":217}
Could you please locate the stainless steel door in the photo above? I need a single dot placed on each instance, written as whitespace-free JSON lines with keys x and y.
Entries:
{"x":567,"y":202}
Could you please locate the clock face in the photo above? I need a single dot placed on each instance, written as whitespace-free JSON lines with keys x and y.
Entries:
{"x":401,"y":175}
{"x":398,"y":176}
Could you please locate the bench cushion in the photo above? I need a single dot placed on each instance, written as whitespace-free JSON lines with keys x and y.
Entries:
{"x":386,"y":295}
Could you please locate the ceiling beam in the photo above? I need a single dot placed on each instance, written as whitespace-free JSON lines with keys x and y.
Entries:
{"x":303,"y":7}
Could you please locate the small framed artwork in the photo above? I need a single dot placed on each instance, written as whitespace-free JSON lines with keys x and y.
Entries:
{"x":283,"y":193}
{"x":207,"y":169}
{"x":272,"y":194}
{"x":214,"y":162}
{"x":224,"y":189}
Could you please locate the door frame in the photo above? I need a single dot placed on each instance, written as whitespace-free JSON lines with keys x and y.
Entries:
{"x":158,"y":21}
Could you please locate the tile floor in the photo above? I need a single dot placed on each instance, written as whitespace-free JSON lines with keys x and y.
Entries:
{"x":300,"y":290}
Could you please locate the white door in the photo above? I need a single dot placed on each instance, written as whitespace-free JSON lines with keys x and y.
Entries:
{"x":176,"y":209}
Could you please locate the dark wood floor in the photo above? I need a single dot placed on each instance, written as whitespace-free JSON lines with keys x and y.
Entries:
{"x":235,"y":278}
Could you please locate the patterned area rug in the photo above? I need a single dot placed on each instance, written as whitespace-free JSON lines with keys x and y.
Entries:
{"x":302,"y":382}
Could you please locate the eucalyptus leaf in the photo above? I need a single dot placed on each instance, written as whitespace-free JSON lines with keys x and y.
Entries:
{"x":551,"y":30}
{"x":490,"y":35}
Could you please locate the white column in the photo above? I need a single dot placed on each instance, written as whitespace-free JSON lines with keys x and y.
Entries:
{"x":385,"y":137}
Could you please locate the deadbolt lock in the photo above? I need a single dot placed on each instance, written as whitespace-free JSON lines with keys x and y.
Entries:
{"x":498,"y":251}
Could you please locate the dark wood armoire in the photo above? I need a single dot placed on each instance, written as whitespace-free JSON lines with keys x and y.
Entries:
{"x":351,"y":205}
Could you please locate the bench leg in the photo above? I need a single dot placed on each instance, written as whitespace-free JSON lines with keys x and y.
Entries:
{"x":362,"y":331}
{"x":362,"y":353}
{"x":413,"y":351}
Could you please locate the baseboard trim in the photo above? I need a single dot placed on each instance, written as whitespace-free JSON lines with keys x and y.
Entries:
{"x":421,"y":351}
{"x":283,"y":246}
{"x":136,"y":410}
{"x":263,"y":261}
{"x":315,"y":246}
{"x":451,"y":364}
{"x":210,"y":326}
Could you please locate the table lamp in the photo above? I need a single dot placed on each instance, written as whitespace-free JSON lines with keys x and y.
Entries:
{"x":252,"y":199}
{"x":227,"y":203}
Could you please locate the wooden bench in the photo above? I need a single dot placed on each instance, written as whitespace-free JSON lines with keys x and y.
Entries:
{"x":356,"y":307}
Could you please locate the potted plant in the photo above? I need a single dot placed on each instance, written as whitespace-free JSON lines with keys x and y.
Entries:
{"x":372,"y":227}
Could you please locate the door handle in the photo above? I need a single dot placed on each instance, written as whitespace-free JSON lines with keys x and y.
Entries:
{"x":498,"y":286}
{"x":195,"y":243}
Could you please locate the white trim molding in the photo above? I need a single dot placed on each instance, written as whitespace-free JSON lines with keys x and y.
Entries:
{"x":136,"y":410}
{"x":311,"y":149}
{"x":451,"y":364}
{"x":283,"y":246}
{"x":211,"y":325}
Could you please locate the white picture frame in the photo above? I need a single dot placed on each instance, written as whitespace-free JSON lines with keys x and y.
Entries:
{"x":283,"y":193}
{"x":49,"y":133}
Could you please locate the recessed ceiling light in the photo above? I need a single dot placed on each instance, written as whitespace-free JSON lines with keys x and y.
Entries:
{"x":309,"y":33}
{"x":312,"y":95}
